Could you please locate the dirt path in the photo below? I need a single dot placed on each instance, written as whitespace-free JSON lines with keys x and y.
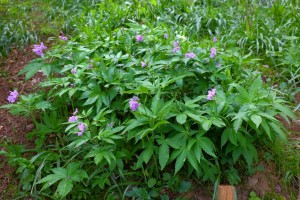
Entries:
{"x":13,"y":128}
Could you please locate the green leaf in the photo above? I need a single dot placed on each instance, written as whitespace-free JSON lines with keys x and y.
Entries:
{"x":147,"y":154}
{"x":255,"y":87}
{"x":46,"y":69}
{"x":279,"y":131}
{"x":237,"y":124}
{"x":184,"y":186}
{"x":197,"y":152}
{"x":180,"y":160}
{"x":193,"y":161}
{"x":155,"y":103}
{"x":243,"y":96}
{"x":195,"y":117}
{"x":236,"y":154}
{"x":134,"y":124}
{"x":207,"y":145}
{"x":151,"y":182}
{"x":266,"y":128}
{"x":163,"y":155}
{"x":59,"y":173}
{"x":43,"y":105}
{"x":225,"y":136}
{"x":256,"y":119}
{"x":91,"y":100}
{"x":285,"y":110}
{"x":181,"y":119}
{"x":206,"y":124}
{"x":98,"y":158}
{"x":31,"y":69}
{"x":64,"y":187}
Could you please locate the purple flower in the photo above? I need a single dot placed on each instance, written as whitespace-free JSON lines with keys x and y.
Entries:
{"x":278,"y":188}
{"x":81,"y":128}
{"x":176,"y":49}
{"x":73,"y":71}
{"x":110,"y":124}
{"x":176,"y":44}
{"x":72,"y":85}
{"x":62,"y":37}
{"x":90,"y":67}
{"x":143,"y":64}
{"x":139,"y":38}
{"x":75,"y":112}
{"x":166,"y":36}
{"x":13,"y":96}
{"x":215,"y":39}
{"x":42,"y":46}
{"x":213,"y":52}
{"x":133,"y":103}
{"x":73,"y":119}
{"x":211,"y":94}
{"x":190,"y":55}
{"x":38,"y":49}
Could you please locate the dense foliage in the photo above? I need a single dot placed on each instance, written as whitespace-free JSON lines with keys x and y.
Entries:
{"x":140,"y":100}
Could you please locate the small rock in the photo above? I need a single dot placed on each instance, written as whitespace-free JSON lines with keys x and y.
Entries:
{"x":252,"y":181}
{"x":29,"y":127}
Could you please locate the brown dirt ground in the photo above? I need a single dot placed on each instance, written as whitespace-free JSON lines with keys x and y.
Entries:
{"x":14,"y":128}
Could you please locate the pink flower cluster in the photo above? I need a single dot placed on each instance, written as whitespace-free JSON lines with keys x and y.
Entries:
{"x":13,"y":96}
{"x":213,"y":52}
{"x":38,"y":49}
{"x":190,"y":55}
{"x":62,"y":36}
{"x":139,"y":38}
{"x":133,"y":103}
{"x":80,"y":126}
{"x":211,"y":94}
{"x":143,"y":64}
{"x":176,"y":46}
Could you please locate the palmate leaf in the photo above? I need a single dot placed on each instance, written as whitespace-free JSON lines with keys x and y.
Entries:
{"x":64,"y":187}
{"x":32,"y":68}
{"x":229,"y":134}
{"x":43,"y":105}
{"x":59,"y":173}
{"x":67,"y":176}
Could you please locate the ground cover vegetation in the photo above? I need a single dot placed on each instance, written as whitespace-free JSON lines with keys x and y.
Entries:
{"x":141,"y":96}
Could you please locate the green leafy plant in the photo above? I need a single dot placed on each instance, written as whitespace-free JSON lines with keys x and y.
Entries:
{"x":134,"y":102}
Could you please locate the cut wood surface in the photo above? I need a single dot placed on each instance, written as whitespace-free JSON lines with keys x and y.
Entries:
{"x":226,"y":192}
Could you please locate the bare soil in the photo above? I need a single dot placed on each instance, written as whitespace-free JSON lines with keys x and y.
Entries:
{"x":13,"y":128}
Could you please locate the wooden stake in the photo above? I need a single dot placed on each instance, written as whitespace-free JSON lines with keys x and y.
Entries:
{"x":226,"y":192}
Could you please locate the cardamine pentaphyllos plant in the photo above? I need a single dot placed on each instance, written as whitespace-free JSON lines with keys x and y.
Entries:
{"x":149,"y":105}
